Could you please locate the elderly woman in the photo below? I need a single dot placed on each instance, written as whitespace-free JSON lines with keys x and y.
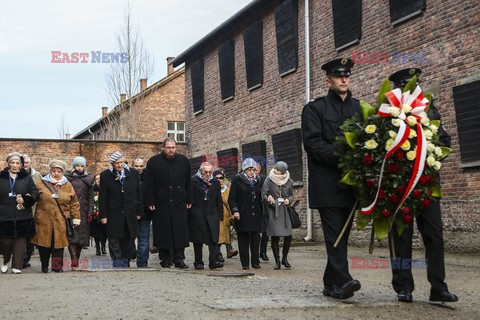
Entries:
{"x":277,"y":191}
{"x":120,"y":203}
{"x":18,"y":194}
{"x":224,"y":235}
{"x":57,"y":202}
{"x":97,"y":230}
{"x":82,"y":184}
{"x":245,"y":202}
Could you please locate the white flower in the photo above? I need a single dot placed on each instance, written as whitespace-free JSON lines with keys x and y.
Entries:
{"x":411,"y":155}
{"x":394,"y":111}
{"x":406,"y":108}
{"x":388,"y":144}
{"x":95,"y":198}
{"x":437,"y":165}
{"x":431,"y":160}
{"x":406,"y":145}
{"x":413,"y":134}
{"x":411,"y":120}
{"x":428,"y":134}
{"x":396,"y":122}
{"x":430,"y":147}
{"x":438,"y":151}
{"x":425,"y":121}
{"x":392,"y":134}
{"x":371,"y":144}
{"x":433,"y":128}
{"x":371,"y":128}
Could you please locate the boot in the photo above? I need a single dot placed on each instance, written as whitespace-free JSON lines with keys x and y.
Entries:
{"x":72,"y":249}
{"x":276,"y":253}
{"x":104,"y":243}
{"x":287,"y":241}
{"x":97,"y":246}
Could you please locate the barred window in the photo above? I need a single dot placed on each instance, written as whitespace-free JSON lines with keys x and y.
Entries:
{"x":176,"y":130}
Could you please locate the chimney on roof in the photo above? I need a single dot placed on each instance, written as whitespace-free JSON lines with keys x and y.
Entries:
{"x":104,"y":111}
{"x":143,"y":84}
{"x":67,"y":136}
{"x":123,"y":97}
{"x":170,"y":69}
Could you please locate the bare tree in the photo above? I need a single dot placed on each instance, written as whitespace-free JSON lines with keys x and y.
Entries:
{"x":62,"y":129}
{"x":124,"y":78}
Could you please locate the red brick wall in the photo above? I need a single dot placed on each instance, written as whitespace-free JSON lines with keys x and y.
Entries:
{"x":446,"y":31}
{"x":95,"y":152}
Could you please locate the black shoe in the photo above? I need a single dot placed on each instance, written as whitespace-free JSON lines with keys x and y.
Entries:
{"x":44,"y":269}
{"x":220,"y":258}
{"x":180,"y":265}
{"x":26,"y":265}
{"x":443,"y":296}
{"x":285,"y":263}
{"x":264,"y":257}
{"x":346,"y":290}
{"x":327,"y":291}
{"x":165,"y":264}
{"x":98,"y":253}
{"x":198,"y":266}
{"x":245,"y":268}
{"x":277,"y":265}
{"x":405,"y":296}
{"x":57,"y":270}
{"x":215,"y":265}
{"x":256,"y":266}
{"x":104,"y":251}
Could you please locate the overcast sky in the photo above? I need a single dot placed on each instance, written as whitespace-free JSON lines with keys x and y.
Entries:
{"x":35,"y":93}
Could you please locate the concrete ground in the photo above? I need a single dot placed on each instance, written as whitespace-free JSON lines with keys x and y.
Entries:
{"x":156,"y":293}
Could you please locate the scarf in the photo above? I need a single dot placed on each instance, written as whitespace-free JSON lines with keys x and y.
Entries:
{"x":251,"y":180}
{"x":205,"y":184}
{"x":50,"y":179}
{"x":279,"y":180}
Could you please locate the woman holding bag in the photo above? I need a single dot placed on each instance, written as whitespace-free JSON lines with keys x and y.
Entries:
{"x":277,"y":191}
{"x":57,"y":202}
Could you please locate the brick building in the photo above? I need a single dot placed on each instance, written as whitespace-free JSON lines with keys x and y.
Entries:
{"x":248,"y":80}
{"x":154,"y":113}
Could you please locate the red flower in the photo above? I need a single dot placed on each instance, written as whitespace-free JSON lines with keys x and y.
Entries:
{"x":407,"y":219}
{"x":390,"y":167}
{"x":371,"y":183}
{"x":417,"y":194}
{"x":401,"y":189}
{"x":422,"y":180}
{"x":429,"y":178}
{"x":430,"y":192}
{"x":406,"y":211}
{"x":398,"y":168}
{"x":385,"y":213}
{"x":367,"y":159}
{"x":381,"y":194}
{"x":393,"y":198}
{"x":399,"y":155}
{"x":426,"y":202}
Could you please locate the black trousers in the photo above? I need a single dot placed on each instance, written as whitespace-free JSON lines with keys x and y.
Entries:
{"x":57,"y":256}
{"x":28,"y":251}
{"x":175,"y":255}
{"x":246,"y":241}
{"x":263,"y":243}
{"x":429,"y":223}
{"x":336,"y":272}
{"x":119,"y":248}
{"x":213,"y":251}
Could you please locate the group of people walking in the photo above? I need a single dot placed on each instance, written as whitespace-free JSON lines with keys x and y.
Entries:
{"x":66,"y":207}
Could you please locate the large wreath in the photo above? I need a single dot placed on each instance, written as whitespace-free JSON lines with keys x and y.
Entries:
{"x":391,"y":156}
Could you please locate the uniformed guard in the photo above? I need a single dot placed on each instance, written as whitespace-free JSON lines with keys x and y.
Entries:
{"x":321,"y":121}
{"x":429,"y":224}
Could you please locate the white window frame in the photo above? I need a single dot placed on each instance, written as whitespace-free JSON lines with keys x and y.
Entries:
{"x":176,"y":131}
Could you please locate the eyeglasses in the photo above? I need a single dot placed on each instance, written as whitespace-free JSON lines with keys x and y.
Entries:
{"x":250,"y":169}
{"x":219,"y":178}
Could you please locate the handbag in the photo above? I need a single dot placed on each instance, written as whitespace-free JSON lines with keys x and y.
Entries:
{"x":68,"y":221}
{"x":294,"y":218}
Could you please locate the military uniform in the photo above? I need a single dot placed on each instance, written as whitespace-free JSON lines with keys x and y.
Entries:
{"x":321,"y":121}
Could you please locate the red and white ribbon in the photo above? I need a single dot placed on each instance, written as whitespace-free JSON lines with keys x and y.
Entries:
{"x":416,"y":104}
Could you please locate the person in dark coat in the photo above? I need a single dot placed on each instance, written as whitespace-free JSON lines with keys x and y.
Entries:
{"x":245,"y":202}
{"x":120,"y":202}
{"x":321,"y":121}
{"x":168,"y":192}
{"x":82,"y":184}
{"x":142,"y":252}
{"x":264,"y":236}
{"x":98,"y":230}
{"x":429,"y":223}
{"x":205,"y":215}
{"x":18,"y":194}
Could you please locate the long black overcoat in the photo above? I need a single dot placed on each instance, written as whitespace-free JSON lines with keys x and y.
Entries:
{"x":246,"y":199}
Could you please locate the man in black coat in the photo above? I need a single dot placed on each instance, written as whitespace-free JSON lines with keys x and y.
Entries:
{"x":321,"y":121}
{"x":120,"y":206}
{"x":168,"y":192}
{"x":204,"y":216}
{"x":429,"y":223}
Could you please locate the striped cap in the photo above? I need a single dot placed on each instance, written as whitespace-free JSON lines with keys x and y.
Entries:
{"x":115,"y":156}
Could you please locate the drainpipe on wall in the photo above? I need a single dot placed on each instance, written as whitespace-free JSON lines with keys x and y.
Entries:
{"x":93,"y":134}
{"x":307,"y":100}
